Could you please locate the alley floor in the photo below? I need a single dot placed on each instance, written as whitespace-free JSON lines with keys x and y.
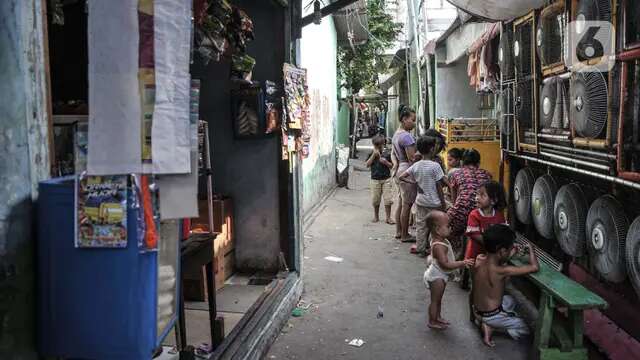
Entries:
{"x":377,"y":273}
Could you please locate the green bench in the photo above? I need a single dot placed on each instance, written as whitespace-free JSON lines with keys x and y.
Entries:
{"x":559,"y":291}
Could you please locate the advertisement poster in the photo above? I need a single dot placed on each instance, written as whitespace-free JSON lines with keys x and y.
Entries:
{"x":101,"y":211}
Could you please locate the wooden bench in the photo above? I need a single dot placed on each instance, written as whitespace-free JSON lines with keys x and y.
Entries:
{"x":557,"y":291}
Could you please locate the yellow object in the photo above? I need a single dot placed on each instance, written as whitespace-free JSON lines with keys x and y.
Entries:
{"x":481,"y":134}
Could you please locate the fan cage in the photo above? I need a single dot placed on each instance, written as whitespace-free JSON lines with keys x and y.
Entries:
{"x":631,"y":24}
{"x":542,"y":205}
{"x":505,"y":54}
{"x":554,"y":109}
{"x":607,"y":210}
{"x":524,"y":35}
{"x":506,"y":118}
{"x":590,"y":98}
{"x":525,"y":108}
{"x":570,"y":212}
{"x":551,"y":40}
{"x":630,"y":159}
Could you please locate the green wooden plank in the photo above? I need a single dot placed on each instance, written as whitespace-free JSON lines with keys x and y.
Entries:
{"x":544,"y":322}
{"x":565,"y":290}
{"x":560,"y":334}
{"x":556,"y":354}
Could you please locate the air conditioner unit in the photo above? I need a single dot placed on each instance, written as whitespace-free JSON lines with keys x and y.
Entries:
{"x":551,"y":39}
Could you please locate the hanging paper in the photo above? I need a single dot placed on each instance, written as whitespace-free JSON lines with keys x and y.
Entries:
{"x":101,"y":211}
{"x":170,"y":133}
{"x":115,"y":111}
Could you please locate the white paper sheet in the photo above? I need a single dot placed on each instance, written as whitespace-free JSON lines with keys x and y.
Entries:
{"x":179,"y":193}
{"x":114,"y":98}
{"x":170,"y":139}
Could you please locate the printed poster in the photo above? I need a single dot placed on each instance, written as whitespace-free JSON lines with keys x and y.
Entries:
{"x":101,"y":211}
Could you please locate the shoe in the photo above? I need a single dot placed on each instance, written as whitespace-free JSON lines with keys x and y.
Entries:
{"x":413,"y":249}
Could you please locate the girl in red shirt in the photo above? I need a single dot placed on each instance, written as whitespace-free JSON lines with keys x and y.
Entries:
{"x":491,"y":201}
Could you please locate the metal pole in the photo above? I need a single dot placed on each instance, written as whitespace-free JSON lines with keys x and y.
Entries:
{"x":355,"y":128}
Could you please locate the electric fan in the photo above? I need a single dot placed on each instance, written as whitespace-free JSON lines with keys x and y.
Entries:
{"x":589,"y":103}
{"x":542,"y":197}
{"x":522,"y":189}
{"x":505,"y":110}
{"x":550,"y":35}
{"x":633,"y":254}
{"x":524,"y":110}
{"x":590,"y":10}
{"x":570,"y":214}
{"x":505,"y":54}
{"x":522,"y":49}
{"x":553,"y":104}
{"x":606,"y":229}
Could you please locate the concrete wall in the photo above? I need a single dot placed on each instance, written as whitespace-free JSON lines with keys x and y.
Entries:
{"x":454,"y":96}
{"x":23,"y":163}
{"x":247,"y":170}
{"x":318,"y":55}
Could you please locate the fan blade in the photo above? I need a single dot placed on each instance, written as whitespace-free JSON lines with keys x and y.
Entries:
{"x":633,"y":254}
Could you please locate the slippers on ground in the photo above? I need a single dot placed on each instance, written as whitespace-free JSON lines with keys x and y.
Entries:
{"x":410,"y":239}
{"x":413,"y":249}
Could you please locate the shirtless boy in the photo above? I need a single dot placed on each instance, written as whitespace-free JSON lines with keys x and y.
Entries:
{"x":492,"y":307}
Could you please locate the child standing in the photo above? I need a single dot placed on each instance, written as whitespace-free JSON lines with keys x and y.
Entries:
{"x":491,"y":306}
{"x":429,"y":177}
{"x":491,"y":201}
{"x":381,"y":187}
{"x":442,"y":265}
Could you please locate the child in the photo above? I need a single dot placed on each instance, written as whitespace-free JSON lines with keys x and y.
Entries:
{"x":442,"y":264}
{"x":454,"y":160}
{"x":428,"y":176}
{"x":380,"y":164}
{"x":491,"y":201}
{"x":491,"y":306}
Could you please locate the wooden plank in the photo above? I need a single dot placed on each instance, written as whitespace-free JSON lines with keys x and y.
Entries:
{"x":561,"y":335}
{"x":545,"y":319}
{"x":565,"y":290}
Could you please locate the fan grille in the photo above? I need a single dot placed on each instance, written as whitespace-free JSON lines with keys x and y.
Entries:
{"x":606,"y":232}
{"x":542,"y":198}
{"x":522,"y":49}
{"x":570,"y":214}
{"x":522,"y":189}
{"x":591,"y":10}
{"x":524,"y":105}
{"x":633,"y":254}
{"x":589,"y":103}
{"x":550,"y":35}
{"x":505,"y":54}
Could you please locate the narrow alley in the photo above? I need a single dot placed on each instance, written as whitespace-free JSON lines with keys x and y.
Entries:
{"x":377,"y":272}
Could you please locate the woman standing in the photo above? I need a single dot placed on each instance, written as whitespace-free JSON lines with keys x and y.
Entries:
{"x":404,"y":151}
{"x":464,"y":185}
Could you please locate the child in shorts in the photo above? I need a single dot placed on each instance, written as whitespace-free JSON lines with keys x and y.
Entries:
{"x":381,"y":186}
{"x":442,"y":264}
{"x":492,"y":307}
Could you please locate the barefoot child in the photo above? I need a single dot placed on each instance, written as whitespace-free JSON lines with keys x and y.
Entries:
{"x":492,"y":307}
{"x":490,"y":200}
{"x":429,"y":178}
{"x":380,"y":164}
{"x":442,"y":264}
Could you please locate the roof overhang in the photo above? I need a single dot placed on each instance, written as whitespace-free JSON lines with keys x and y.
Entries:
{"x":497,"y":10}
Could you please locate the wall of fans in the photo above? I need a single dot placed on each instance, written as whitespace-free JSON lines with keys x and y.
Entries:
{"x":573,"y":138}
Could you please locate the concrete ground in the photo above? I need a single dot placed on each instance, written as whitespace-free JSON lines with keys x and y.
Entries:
{"x":377,"y":273}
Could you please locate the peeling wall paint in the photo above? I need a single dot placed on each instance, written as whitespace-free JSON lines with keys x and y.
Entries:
{"x":24,"y":161}
{"x":318,"y":56}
